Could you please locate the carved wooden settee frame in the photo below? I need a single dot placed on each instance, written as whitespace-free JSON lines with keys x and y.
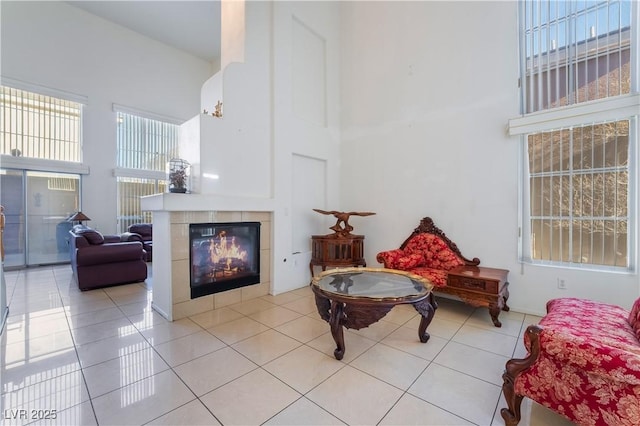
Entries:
{"x":428,"y":227}
{"x":460,"y":277}
{"x":582,"y":362}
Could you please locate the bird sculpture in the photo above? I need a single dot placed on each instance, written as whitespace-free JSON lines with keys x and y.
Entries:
{"x":342,"y":227}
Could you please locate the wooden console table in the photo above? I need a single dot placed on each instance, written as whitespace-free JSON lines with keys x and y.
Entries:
{"x":480,"y":287}
{"x":336,"y":250}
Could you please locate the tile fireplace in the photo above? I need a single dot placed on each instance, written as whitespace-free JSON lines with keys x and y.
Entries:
{"x":223,"y":256}
{"x":172,"y":216}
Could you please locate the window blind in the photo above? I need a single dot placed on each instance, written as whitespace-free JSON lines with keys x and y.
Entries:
{"x":144,"y":143}
{"x":39,"y":126}
{"x":144,"y":147}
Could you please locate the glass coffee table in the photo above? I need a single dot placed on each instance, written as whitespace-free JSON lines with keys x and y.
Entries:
{"x":358,"y":297}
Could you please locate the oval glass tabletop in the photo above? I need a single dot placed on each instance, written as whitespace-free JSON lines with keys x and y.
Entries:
{"x":372,"y":283}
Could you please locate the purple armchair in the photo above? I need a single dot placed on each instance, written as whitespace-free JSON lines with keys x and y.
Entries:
{"x":142,"y":232}
{"x":100,"y":261}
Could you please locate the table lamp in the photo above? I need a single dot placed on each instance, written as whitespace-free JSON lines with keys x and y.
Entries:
{"x":78,"y":217}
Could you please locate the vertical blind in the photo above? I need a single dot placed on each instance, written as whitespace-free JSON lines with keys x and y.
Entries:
{"x":129,"y":192}
{"x":144,"y":143}
{"x":39,"y":126}
{"x":575,"y":51}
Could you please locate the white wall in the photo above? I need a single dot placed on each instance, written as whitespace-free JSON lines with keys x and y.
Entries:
{"x":427,"y":90}
{"x":275,"y":110}
{"x":306,"y":117}
{"x":55,"y":45}
{"x":238,"y":148}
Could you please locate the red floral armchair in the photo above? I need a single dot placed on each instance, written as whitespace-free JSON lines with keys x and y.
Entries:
{"x":428,"y":253}
{"x":583,"y":362}
{"x":425,"y":254}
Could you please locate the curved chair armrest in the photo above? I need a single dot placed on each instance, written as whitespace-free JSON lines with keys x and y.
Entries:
{"x":130,"y":236}
{"x":513,"y":369}
{"x":515,"y":366}
{"x":388,"y":257}
{"x":109,"y":239}
{"x":399,"y":259}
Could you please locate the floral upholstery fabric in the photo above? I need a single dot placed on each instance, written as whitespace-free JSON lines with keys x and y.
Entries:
{"x":398,"y":259}
{"x":634,"y":318}
{"x":437,"y":254}
{"x":437,"y":277}
{"x":426,"y":250}
{"x":426,"y":255}
{"x":589,"y":364}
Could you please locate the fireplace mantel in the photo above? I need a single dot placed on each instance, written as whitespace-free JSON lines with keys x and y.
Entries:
{"x":172,"y":214}
{"x":204,"y":202}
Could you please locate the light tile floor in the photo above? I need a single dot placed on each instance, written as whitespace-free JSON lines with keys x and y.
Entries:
{"x":104,"y":357}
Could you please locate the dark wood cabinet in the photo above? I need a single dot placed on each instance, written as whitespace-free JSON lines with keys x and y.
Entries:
{"x":480,"y":286}
{"x":336,"y":250}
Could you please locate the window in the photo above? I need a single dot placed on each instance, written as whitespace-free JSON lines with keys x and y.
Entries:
{"x":575,"y":51}
{"x":144,"y":143}
{"x":39,"y":126}
{"x":40,"y":178}
{"x":130,"y":190}
{"x":579,"y":128}
{"x":579,"y":180}
{"x":144,"y":147}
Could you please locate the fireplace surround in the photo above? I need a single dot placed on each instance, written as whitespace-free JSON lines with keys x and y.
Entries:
{"x":170,"y":277}
{"x":223,"y":256}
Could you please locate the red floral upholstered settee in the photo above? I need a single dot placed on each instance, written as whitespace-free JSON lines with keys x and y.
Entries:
{"x":429,"y":253}
{"x":583,"y":362}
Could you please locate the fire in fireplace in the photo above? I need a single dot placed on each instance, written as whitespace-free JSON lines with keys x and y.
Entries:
{"x":223,"y":256}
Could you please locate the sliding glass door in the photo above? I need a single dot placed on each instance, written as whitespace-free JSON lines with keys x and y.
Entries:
{"x":12,"y":199}
{"x":51,"y":199}
{"x":37,"y":205}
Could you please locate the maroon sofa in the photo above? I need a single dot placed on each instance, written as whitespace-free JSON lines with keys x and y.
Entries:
{"x":142,"y":232}
{"x":101,"y":261}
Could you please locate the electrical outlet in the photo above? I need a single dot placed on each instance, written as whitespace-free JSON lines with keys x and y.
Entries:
{"x":562,"y":284}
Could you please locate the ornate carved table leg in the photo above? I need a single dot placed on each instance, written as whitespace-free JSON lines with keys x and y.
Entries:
{"x":494,"y":311}
{"x":505,"y":295}
{"x":324,"y":307}
{"x":337,"y":332}
{"x":426,"y":308}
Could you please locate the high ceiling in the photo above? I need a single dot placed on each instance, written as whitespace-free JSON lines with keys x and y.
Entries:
{"x":192,"y":26}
